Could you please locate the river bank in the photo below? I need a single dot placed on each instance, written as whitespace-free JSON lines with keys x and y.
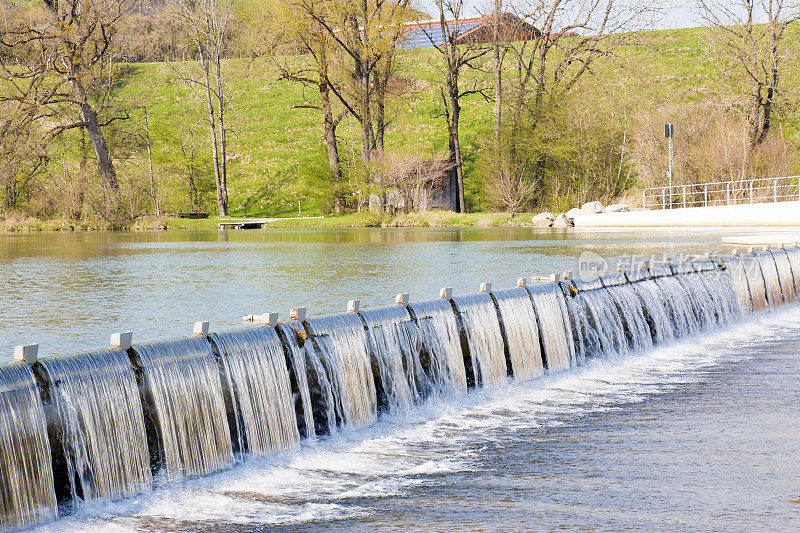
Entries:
{"x":430,"y":219}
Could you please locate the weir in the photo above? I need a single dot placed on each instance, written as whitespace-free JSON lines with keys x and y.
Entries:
{"x":99,"y":446}
{"x":481,"y":338}
{"x":521,"y":332}
{"x":184,"y":408}
{"x":107,"y":424}
{"x":440,"y":343}
{"x":257,"y":379}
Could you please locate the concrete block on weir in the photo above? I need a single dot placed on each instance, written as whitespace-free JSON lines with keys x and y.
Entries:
{"x":298,"y":313}
{"x":353,"y":305}
{"x":735,"y":251}
{"x":28,"y":353}
{"x":201,"y":328}
{"x":750,"y":249}
{"x":446,"y":292}
{"x":122,"y":340}
{"x":553,"y":278}
{"x":402,"y":298}
{"x":567,"y":275}
{"x":486,"y":286}
{"x":522,"y":282}
{"x":270,"y":319}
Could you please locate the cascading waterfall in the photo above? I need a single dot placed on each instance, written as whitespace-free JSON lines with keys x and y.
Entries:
{"x":603,"y":332}
{"x":79,"y":427}
{"x":629,"y":306}
{"x":26,"y":474}
{"x":657,"y":309}
{"x":100,"y":424}
{"x":771,"y":279}
{"x":441,"y":345}
{"x":258,"y":380}
{"x":681,"y":310}
{"x":785,"y":276}
{"x":556,"y":335}
{"x":794,"y":260}
{"x":313,"y":387}
{"x":522,"y":332}
{"x":343,"y":343}
{"x":395,"y":345}
{"x":741,"y":282}
{"x":183,"y":398}
{"x":484,"y":339}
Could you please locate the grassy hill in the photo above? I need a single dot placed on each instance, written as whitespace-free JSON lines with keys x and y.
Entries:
{"x":276,"y":153}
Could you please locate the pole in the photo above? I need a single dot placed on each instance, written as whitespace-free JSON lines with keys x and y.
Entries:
{"x":669,"y":133}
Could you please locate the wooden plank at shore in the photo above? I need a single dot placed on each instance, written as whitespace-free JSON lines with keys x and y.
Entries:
{"x":254,"y":223}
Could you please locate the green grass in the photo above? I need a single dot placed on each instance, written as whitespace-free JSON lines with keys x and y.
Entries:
{"x":276,"y":150}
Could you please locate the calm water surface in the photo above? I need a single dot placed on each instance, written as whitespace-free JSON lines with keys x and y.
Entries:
{"x":701,"y":435}
{"x":71,"y":291}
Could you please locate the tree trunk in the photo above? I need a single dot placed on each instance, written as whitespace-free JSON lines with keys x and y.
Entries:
{"x":498,"y":75}
{"x":329,"y":124}
{"x":223,"y":137}
{"x":755,"y":115}
{"x":92,"y":126}
{"x":222,"y":194}
{"x":153,"y":192}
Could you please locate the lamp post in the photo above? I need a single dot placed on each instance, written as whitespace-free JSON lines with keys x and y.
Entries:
{"x":668,"y":133}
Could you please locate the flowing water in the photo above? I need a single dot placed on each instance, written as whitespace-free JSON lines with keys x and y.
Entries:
{"x":484,"y":340}
{"x":785,"y":275}
{"x":313,"y":388}
{"x":100,"y":424}
{"x":794,"y":261}
{"x":185,"y":406}
{"x":736,"y":267}
{"x":395,"y":345}
{"x":658,"y":309}
{"x":551,"y":312}
{"x":440,"y":340}
{"x":521,"y":331}
{"x":343,"y":344}
{"x":25,"y":466}
{"x":771,"y":279}
{"x":630,"y":308}
{"x":258,"y":378}
{"x":497,"y":458}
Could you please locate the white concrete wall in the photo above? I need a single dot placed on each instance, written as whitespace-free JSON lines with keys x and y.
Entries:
{"x":771,"y":214}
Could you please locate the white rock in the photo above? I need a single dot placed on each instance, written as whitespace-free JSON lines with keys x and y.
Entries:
{"x":572,"y":212}
{"x":616,"y":208}
{"x":590,"y":208}
{"x":562,"y":221}
{"x":543,"y":220}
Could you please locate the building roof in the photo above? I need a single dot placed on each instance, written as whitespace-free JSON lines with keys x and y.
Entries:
{"x":428,"y":33}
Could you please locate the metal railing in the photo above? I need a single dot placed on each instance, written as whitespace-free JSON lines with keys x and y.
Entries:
{"x":757,"y":190}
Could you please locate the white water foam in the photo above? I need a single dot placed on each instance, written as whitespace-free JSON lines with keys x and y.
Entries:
{"x":327,"y":481}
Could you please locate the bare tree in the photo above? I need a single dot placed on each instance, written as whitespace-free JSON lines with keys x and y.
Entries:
{"x":207,"y":24}
{"x":456,"y":58}
{"x":364,"y":37}
{"x":55,"y":64}
{"x":753,"y":34}
{"x":315,"y":40}
{"x":573,"y":35}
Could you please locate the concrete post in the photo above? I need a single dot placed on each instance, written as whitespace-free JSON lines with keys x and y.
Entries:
{"x":353,"y":306}
{"x":28,"y":353}
{"x":486,"y":286}
{"x":298,"y":313}
{"x":446,"y":292}
{"x":201,"y":328}
{"x":122,"y":340}
{"x":401,"y":299}
{"x":522,"y":282}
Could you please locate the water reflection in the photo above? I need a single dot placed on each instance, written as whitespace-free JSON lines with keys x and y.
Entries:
{"x":69,"y":291}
